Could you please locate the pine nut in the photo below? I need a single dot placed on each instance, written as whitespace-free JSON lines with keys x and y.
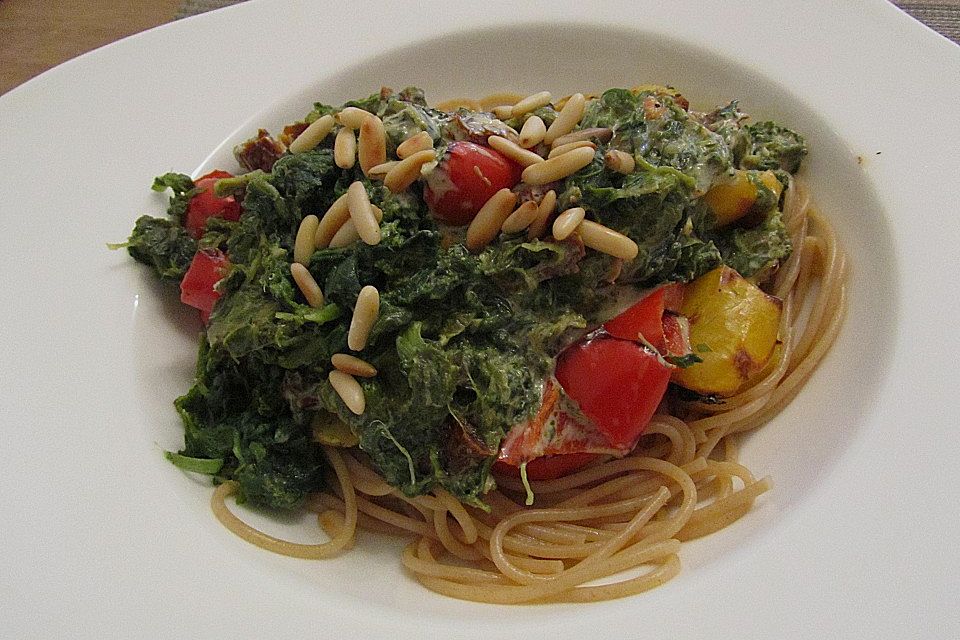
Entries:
{"x":353,"y":117}
{"x":606,"y":240}
{"x":567,"y":222}
{"x":546,"y":208}
{"x":532,"y":132}
{"x":335,"y":217}
{"x":345,"y":148}
{"x":353,"y":365}
{"x":349,"y":391}
{"x":503,"y":112}
{"x":486,"y":224}
{"x":515,"y":152}
{"x":381,"y":170}
{"x":620,"y":161}
{"x":570,"y":146}
{"x":372,"y":148}
{"x":313,"y":135}
{"x":305,"y":243}
{"x":420,"y":142}
{"x":307,"y":285}
{"x":531,"y":103}
{"x":601,"y":134}
{"x":521,"y":218}
{"x":558,"y":167}
{"x":504,"y":98}
{"x":568,"y":118}
{"x":406,"y":172}
{"x":365,"y":314}
{"x":347,"y":234}
{"x":361,"y":213}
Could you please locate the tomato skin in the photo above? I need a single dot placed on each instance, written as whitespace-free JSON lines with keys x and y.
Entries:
{"x":617,"y":383}
{"x":645,"y":318}
{"x":548,"y":467}
{"x":205,"y":204}
{"x":208,"y":267}
{"x":465,"y":179}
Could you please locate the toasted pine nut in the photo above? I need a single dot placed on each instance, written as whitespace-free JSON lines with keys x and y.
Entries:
{"x":567,"y":119}
{"x":345,"y":148}
{"x":353,"y":117}
{"x":532,"y":131}
{"x":349,"y":391}
{"x":521,"y":218}
{"x":307,"y":285}
{"x":570,"y":146}
{"x":531,"y":103}
{"x":313,"y":135}
{"x":603,"y":134}
{"x":381,"y":170}
{"x":362,"y":213}
{"x":515,"y":152}
{"x":406,"y":172}
{"x":372,"y":148}
{"x":305,"y":244}
{"x":567,"y":222}
{"x":345,"y":236}
{"x":620,"y":161}
{"x":353,"y":365}
{"x":558,"y":167}
{"x":503,"y":112}
{"x":492,"y":100}
{"x":546,"y":208}
{"x":420,"y":142}
{"x":486,"y":224}
{"x":332,"y":220}
{"x":365,"y":314}
{"x":606,"y":240}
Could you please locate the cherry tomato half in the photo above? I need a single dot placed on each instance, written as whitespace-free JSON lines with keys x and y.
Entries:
{"x":208,"y":267}
{"x":205,"y":204}
{"x":617,"y":383}
{"x":465,"y":179}
{"x":548,"y":467}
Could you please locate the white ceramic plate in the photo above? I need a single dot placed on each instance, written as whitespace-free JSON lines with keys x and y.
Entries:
{"x":100,"y":537}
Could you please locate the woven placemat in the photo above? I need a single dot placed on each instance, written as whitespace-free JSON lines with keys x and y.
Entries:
{"x":940,"y":15}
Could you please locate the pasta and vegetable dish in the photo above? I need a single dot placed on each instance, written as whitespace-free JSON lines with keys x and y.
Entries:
{"x":524,"y":333}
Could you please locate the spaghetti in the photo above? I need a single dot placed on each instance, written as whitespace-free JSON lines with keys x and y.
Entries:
{"x":620,"y":519}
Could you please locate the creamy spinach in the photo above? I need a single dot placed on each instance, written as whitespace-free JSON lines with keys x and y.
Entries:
{"x":464,"y":342}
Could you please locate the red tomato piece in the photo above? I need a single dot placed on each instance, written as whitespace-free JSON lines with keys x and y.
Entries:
{"x":673,"y":296}
{"x":676,"y":332}
{"x":205,"y":204}
{"x":208,"y":267}
{"x":645,"y":318}
{"x":548,"y":467}
{"x":617,"y":383}
{"x":465,"y":179}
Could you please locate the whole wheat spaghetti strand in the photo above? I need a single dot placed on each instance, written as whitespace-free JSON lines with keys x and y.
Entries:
{"x":449,"y":541}
{"x":455,"y":508}
{"x":722,"y":512}
{"x":284,"y":547}
{"x":319,"y":502}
